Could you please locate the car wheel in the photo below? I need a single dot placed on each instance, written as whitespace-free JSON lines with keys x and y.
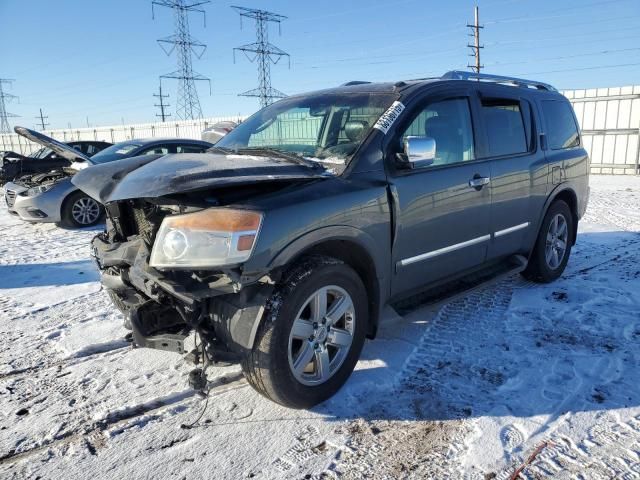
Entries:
{"x":311,"y":334}
{"x":80,"y":210}
{"x":553,"y":245}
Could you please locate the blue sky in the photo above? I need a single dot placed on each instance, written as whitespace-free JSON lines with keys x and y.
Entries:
{"x":100,"y":59}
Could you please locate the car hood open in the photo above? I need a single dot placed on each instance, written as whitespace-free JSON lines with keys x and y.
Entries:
{"x":152,"y":176}
{"x":76,"y":158}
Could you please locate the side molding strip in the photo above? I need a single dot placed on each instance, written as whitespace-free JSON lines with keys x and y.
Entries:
{"x":506,"y":231}
{"x":442,"y":251}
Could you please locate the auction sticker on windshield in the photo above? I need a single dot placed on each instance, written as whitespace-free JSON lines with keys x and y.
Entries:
{"x":389,"y":117}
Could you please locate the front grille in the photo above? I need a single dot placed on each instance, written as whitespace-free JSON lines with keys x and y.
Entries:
{"x":10,"y":197}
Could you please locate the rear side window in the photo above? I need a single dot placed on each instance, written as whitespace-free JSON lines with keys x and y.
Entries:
{"x":562,"y":131}
{"x":505,"y":127}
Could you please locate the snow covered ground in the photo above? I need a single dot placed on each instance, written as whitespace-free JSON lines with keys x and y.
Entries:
{"x":539,"y":377}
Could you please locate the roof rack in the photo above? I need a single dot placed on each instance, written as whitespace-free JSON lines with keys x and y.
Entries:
{"x":354,"y":82}
{"x":485,"y":77}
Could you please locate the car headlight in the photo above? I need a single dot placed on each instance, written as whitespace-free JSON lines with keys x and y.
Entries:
{"x":32,"y":192}
{"x":209,"y":238}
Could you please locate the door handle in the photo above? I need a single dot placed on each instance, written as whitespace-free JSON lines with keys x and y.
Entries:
{"x":478,"y":182}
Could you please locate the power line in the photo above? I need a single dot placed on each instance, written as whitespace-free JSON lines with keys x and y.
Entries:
{"x":187,"y":101}
{"x":42,"y":118}
{"x":4,"y":99}
{"x":476,"y":47}
{"x":162,"y":105}
{"x":264,"y":53}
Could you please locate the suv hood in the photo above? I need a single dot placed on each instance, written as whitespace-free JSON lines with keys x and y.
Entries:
{"x":152,"y":176}
{"x":78,"y":159}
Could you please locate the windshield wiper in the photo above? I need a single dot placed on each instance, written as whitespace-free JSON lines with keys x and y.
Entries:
{"x":297,"y":158}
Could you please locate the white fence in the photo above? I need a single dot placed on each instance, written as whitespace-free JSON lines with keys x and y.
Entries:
{"x":116,"y":133}
{"x":610,"y":123}
{"x":609,"y":119}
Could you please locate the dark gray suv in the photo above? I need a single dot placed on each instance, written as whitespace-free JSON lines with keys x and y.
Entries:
{"x":281,"y":245}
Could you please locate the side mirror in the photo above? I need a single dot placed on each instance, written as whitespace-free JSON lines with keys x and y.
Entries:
{"x":420,"y":151}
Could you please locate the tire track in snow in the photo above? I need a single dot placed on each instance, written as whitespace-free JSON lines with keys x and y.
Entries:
{"x":118,"y":419}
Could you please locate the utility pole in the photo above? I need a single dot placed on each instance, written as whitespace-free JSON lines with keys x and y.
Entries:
{"x":4,"y":99}
{"x":162,"y":105}
{"x":42,"y":118}
{"x":475,"y":48}
{"x":262,"y":52}
{"x":187,"y":101}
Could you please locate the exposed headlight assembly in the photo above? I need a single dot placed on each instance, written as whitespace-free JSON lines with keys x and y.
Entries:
{"x":209,"y":238}
{"x":33,"y":191}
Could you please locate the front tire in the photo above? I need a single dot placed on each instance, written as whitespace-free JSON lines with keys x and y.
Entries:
{"x":311,"y":334}
{"x":553,"y":245}
{"x":80,"y":210}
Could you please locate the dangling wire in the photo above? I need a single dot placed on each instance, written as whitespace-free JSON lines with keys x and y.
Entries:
{"x":206,"y":364}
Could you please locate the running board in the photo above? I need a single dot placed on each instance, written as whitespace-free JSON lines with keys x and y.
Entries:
{"x":461,"y":287}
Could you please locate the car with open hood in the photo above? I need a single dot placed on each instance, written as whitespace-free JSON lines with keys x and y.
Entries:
{"x":14,"y":165}
{"x":51,"y":197}
{"x":281,"y":246}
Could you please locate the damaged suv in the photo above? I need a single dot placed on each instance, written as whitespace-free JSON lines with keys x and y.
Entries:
{"x":281,"y":246}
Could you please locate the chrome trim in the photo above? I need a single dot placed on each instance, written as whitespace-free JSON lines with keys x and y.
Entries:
{"x":506,"y":231}
{"x":442,"y":251}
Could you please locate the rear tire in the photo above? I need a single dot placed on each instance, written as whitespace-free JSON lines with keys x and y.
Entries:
{"x":303,"y":366}
{"x":80,"y":210}
{"x":553,"y":245}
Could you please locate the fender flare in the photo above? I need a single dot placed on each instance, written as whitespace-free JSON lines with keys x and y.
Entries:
{"x":378,"y":292}
{"x":563,"y":187}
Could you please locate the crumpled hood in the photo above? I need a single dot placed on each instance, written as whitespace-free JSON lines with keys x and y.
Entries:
{"x":152,"y":176}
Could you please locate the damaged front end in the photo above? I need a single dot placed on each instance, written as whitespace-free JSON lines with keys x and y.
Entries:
{"x":163,"y":306}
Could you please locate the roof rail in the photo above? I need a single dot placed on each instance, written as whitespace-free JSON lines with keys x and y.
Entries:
{"x":354,"y":82}
{"x":486,"y":77}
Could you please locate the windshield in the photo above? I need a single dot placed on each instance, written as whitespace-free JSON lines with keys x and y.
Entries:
{"x":115,"y":152}
{"x":324,"y":127}
{"x":42,"y":153}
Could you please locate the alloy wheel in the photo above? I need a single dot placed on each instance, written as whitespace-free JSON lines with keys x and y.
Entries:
{"x":321,"y":335}
{"x":556,"y":243}
{"x":85,"y":211}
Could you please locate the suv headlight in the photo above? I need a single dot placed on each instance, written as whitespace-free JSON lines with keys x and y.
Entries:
{"x":33,"y":191}
{"x":210,"y":238}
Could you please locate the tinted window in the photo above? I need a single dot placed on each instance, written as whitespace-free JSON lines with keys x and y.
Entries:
{"x":190,"y":149}
{"x":449,"y":124}
{"x":562,"y":131}
{"x":156,"y":150}
{"x":505,"y":128}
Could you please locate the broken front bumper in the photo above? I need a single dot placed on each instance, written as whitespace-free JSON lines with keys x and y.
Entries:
{"x":164,"y":307}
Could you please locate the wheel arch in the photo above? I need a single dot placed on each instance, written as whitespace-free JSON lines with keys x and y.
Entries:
{"x":351,"y":246}
{"x":568,"y":195}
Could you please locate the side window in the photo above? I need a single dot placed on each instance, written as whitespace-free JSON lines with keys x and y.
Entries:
{"x":189,"y":149}
{"x":562,"y":131}
{"x":156,"y":150}
{"x":448,"y":122}
{"x":505,"y":126}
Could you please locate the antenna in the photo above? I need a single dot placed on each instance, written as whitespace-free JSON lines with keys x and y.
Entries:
{"x":42,"y":118}
{"x":162,"y":105}
{"x":4,"y":99}
{"x":187,"y":102}
{"x":264,"y":53}
{"x":476,"y":47}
